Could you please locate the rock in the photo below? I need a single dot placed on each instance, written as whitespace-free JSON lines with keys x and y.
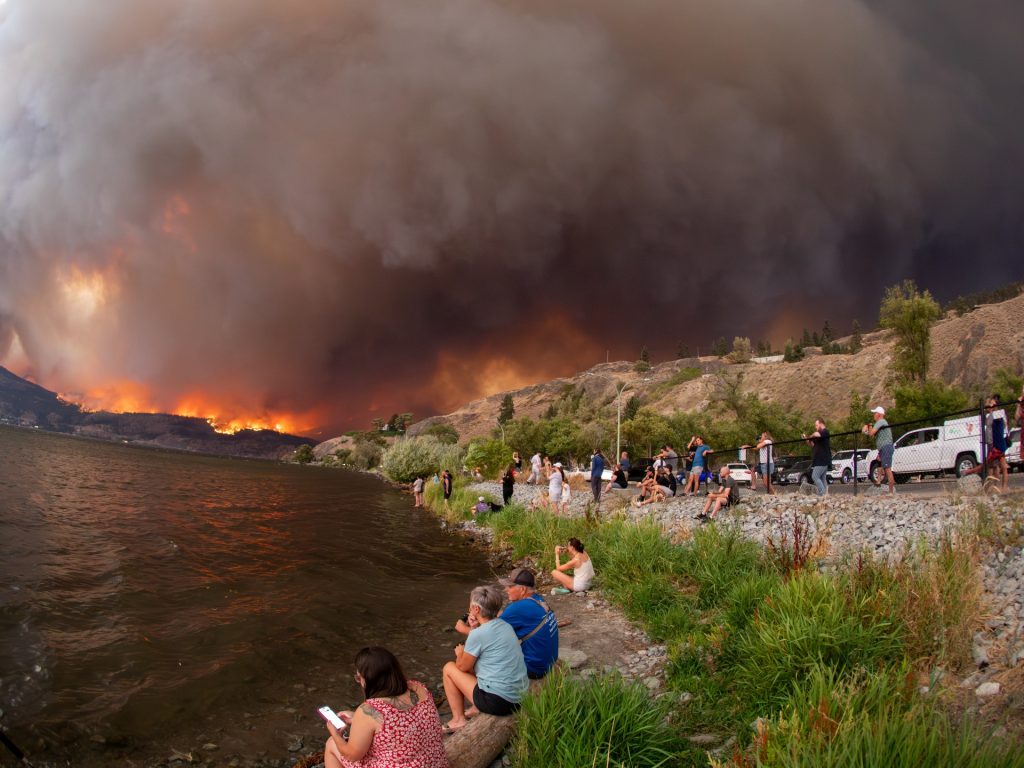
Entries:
{"x":704,"y":738}
{"x":652,"y":683}
{"x":295,"y":745}
{"x":210,"y":747}
{"x":987,"y":689}
{"x":573,"y":657}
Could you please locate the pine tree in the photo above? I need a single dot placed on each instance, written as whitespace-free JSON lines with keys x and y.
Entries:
{"x":645,"y":356}
{"x":507,"y":409}
{"x":856,"y":339}
{"x":683,"y":350}
{"x":805,"y":340}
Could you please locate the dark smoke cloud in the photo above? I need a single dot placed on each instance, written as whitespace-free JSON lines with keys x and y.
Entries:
{"x":345,"y":209}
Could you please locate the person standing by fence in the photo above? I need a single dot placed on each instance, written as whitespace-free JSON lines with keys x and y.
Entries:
{"x":596,"y":470}
{"x":882,"y":433}
{"x":765,"y":462}
{"x":821,"y":455}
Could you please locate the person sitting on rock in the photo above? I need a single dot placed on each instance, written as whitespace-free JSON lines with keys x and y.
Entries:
{"x":647,"y":486}
{"x":579,"y":563}
{"x":489,"y":670}
{"x":480,"y":507}
{"x":618,"y":481}
{"x":725,"y":497}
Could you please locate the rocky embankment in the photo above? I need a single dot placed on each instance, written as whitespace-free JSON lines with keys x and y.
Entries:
{"x":841,"y":526}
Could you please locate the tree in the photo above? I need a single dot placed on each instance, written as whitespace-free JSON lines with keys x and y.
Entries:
{"x":909,"y":313}
{"x":442,"y":432}
{"x":683,"y":350}
{"x":856,"y":338}
{"x":489,"y":456}
{"x":741,"y":352}
{"x":507,"y":409}
{"x":720,"y":348}
{"x":644,"y":354}
{"x":646,"y":430}
{"x":631,"y":407}
{"x":805,"y":340}
{"x":826,"y":334}
{"x":921,"y":401}
{"x":643,"y":365}
{"x":303,"y":454}
{"x":792,"y":353}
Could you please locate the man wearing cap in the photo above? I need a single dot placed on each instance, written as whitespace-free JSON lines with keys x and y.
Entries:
{"x":481,"y":506}
{"x":534,"y":622}
{"x":883,"y":442}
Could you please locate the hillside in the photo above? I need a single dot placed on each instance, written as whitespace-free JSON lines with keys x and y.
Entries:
{"x":965,"y":350}
{"x":25,"y":404}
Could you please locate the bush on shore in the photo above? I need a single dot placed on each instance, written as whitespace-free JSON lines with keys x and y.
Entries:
{"x":411,"y":457}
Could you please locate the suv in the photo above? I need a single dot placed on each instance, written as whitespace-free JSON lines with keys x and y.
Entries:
{"x":842,"y":466}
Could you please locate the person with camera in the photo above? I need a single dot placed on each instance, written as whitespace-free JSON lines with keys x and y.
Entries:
{"x":489,"y":670}
{"x":396,"y":726}
{"x":579,"y":563}
{"x":700,"y":459}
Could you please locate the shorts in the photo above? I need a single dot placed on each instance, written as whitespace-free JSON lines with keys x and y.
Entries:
{"x":555,"y":496}
{"x":447,"y":495}
{"x":766,"y":470}
{"x":994,"y":455}
{"x":885,"y":455}
{"x":492,"y":703}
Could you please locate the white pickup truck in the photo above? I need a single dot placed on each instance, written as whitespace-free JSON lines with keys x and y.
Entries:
{"x":954,"y":447}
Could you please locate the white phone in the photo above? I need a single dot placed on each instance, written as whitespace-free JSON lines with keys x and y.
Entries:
{"x":329,"y":715}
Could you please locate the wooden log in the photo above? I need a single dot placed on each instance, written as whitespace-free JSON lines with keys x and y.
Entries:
{"x":480,"y":741}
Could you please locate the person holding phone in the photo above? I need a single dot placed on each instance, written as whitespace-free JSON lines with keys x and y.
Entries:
{"x":396,"y":726}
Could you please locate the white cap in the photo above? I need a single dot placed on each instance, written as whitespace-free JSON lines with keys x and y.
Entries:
{"x":558,"y":464}
{"x":879,"y":410}
{"x":481,"y":498}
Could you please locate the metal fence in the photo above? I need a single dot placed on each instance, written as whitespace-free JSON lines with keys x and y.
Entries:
{"x":944,"y":444}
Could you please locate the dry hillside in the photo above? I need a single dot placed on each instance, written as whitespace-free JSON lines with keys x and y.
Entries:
{"x":965,"y":350}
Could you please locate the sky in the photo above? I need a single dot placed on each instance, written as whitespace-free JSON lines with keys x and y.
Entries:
{"x":308,"y":214}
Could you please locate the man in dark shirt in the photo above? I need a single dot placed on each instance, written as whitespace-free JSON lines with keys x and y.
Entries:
{"x":821,"y":455}
{"x":596,"y":470}
{"x":726,"y":496}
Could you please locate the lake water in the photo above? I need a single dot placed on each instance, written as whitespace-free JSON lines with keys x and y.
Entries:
{"x":153,"y":602}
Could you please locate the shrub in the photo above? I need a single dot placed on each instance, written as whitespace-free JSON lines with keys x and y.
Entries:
{"x":411,"y":457}
{"x":717,"y":559}
{"x":603,"y":721}
{"x":491,"y":456}
{"x":366,"y":453}
{"x":445,"y":433}
{"x":303,"y":454}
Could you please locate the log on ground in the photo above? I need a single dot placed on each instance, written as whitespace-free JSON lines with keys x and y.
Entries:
{"x":481,"y":740}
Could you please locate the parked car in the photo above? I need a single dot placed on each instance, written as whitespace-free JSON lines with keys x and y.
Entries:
{"x":782,"y":465}
{"x":638,"y":467}
{"x":797,"y":473}
{"x":954,"y":447}
{"x":842,"y":466}
{"x":1013,"y":457}
{"x":740,"y":473}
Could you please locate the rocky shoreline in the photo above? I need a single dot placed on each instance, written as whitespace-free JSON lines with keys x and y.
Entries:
{"x":843,"y":526}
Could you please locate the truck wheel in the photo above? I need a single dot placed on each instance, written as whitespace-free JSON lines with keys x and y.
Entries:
{"x":876,"y":474}
{"x":964,"y":462}
{"x":847,"y":476}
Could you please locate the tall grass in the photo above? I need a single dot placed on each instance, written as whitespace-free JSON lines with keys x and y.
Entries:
{"x":873,"y":720}
{"x":605,"y":721}
{"x":802,"y":625}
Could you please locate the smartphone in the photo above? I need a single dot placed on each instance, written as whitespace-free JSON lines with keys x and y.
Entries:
{"x":329,"y":715}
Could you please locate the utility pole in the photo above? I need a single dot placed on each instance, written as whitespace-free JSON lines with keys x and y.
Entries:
{"x":618,"y":421}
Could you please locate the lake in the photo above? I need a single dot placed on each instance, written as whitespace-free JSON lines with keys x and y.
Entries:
{"x":154,"y":602}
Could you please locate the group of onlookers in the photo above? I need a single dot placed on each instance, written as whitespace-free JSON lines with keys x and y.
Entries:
{"x":507,"y":644}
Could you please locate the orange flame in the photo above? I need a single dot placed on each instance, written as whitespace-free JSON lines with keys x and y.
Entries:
{"x":132,"y":397}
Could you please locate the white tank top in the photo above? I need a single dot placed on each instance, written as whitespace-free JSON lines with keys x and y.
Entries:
{"x":583,"y":576}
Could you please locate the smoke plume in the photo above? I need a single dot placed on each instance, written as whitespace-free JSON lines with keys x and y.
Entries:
{"x":334,"y":210}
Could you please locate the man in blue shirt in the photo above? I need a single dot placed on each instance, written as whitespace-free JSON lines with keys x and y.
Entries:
{"x":534,"y":622}
{"x":596,"y":470}
{"x":700,"y":458}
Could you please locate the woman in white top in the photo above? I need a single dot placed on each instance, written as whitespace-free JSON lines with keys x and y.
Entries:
{"x":555,"y":480}
{"x":765,"y":462}
{"x":579,"y":562}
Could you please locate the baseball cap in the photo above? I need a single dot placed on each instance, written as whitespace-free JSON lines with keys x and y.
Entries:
{"x":481,"y":498}
{"x":522,"y":577}
{"x":558,"y":464}
{"x":879,"y":410}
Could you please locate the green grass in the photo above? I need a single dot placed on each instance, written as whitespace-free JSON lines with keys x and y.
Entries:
{"x":800,"y":650}
{"x":574,"y":723}
{"x":866,"y":720}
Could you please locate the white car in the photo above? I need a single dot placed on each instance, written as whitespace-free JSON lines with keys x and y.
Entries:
{"x":740,"y":473}
{"x":1013,"y":457}
{"x":842,"y":466}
